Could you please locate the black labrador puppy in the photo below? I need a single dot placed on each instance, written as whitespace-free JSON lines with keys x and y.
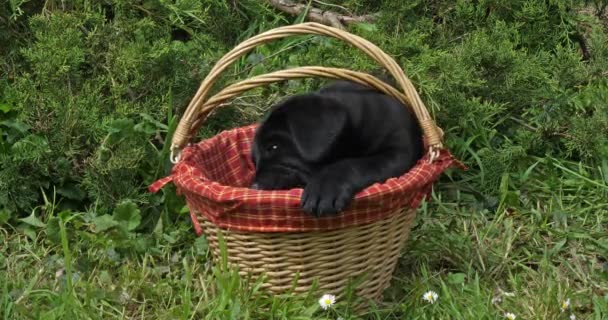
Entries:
{"x":334,"y":143}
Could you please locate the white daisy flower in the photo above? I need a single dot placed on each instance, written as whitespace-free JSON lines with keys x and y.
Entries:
{"x":572,"y":317}
{"x":510,"y":316}
{"x":327,"y":300}
{"x":565,"y":305}
{"x":430,"y":297}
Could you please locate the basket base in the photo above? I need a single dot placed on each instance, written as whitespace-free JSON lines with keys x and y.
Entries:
{"x":294,"y":262}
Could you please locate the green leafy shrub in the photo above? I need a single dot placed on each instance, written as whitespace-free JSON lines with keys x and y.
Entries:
{"x":87,"y":120}
{"x":93,"y":98}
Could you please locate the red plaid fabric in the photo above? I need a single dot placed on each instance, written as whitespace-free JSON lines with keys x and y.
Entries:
{"x":214,"y":176}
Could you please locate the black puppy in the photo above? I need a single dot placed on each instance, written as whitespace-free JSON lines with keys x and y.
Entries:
{"x":334,"y":143}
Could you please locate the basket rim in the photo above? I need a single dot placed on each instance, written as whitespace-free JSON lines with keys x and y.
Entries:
{"x":241,"y":208}
{"x":190,"y":151}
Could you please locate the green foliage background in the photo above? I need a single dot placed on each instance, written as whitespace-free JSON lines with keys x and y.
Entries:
{"x":87,"y":88}
{"x":90,"y":92}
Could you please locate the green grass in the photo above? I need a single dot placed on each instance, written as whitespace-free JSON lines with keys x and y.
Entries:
{"x":539,"y":246}
{"x":524,"y":229}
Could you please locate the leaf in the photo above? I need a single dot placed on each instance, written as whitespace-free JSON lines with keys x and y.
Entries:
{"x":367,"y":27}
{"x":30,"y":233}
{"x":153,"y":121}
{"x":16,"y":125}
{"x":4,"y":216}
{"x":128,"y":213}
{"x":5,"y":107}
{"x":158,"y":228}
{"x":65,"y":215}
{"x":145,"y":127}
{"x":53,"y":230}
{"x":105,"y":277}
{"x":257,"y":70}
{"x":71,"y":191}
{"x":32,"y":220}
{"x":558,"y":247}
{"x":311,"y":310}
{"x":456,"y":278}
{"x":169,"y":238}
{"x":103,"y":223}
{"x":184,"y":210}
{"x":201,"y":245}
{"x":255,"y":58}
{"x":120,"y":125}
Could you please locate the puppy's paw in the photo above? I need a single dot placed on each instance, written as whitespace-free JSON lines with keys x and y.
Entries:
{"x":325,"y":196}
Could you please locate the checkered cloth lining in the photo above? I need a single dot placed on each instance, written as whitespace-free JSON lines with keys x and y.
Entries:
{"x":214,"y":176}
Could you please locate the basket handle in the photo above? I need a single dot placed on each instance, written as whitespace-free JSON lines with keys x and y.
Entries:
{"x":198,"y":110}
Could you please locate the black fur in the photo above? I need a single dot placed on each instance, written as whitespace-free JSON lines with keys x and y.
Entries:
{"x":334,"y":143}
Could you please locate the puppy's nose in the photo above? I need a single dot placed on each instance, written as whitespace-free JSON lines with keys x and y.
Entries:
{"x":255,"y":186}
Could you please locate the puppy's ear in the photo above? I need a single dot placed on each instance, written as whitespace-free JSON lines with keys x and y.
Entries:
{"x":316,"y":123}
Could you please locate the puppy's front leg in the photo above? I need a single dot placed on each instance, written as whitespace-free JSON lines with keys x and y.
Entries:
{"x":333,"y":188}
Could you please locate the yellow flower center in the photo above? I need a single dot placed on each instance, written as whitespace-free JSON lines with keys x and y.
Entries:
{"x":327,"y":301}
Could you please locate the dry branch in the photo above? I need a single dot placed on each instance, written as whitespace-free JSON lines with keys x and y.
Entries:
{"x":326,"y":17}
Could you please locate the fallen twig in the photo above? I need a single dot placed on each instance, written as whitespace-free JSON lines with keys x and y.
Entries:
{"x":326,"y":17}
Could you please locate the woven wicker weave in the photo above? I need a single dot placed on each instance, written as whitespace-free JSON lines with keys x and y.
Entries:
{"x":329,"y":257}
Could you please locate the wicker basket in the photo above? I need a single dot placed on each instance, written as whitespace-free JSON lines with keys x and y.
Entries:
{"x":333,"y":258}
{"x":330,"y":257}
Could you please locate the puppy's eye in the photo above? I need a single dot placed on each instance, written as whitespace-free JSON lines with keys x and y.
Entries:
{"x":272,"y":148}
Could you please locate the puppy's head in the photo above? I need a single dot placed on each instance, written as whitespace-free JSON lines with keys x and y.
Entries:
{"x":291,"y":142}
